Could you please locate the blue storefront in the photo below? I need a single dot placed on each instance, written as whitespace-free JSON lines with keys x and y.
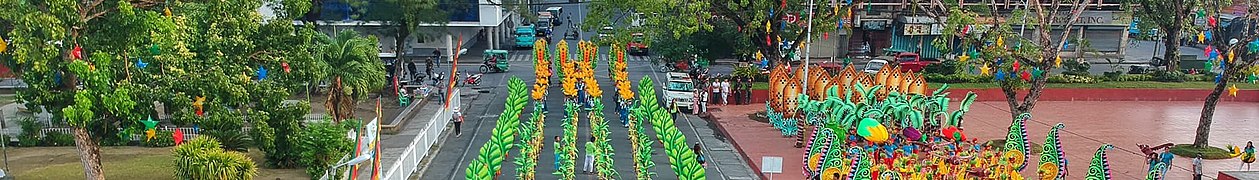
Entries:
{"x":916,"y":34}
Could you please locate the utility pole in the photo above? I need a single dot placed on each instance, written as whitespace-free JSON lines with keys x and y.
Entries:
{"x":808,"y":47}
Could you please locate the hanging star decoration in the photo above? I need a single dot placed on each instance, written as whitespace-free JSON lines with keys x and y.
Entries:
{"x":262,"y":73}
{"x":141,"y":64}
{"x":1015,"y":66}
{"x":1057,"y":61}
{"x":963,"y":58}
{"x":1036,"y":73}
{"x":150,"y":128}
{"x":1000,"y":75}
{"x":1208,"y":65}
{"x":1232,"y":91}
{"x":1027,"y":76}
{"x":1252,"y":78}
{"x":826,"y":35}
{"x":768,"y":28}
{"x":285,"y":65}
{"x":1202,"y":13}
{"x":1206,"y":35}
{"x":167,"y":12}
{"x":966,"y":29}
{"x":1208,"y":49}
{"x":1065,"y":44}
{"x":1201,"y":37}
{"x":178,"y":136}
{"x":1213,"y":55}
{"x":1000,"y":41}
{"x":197,"y":104}
{"x":155,"y":49}
{"x":1218,"y":77}
{"x":1231,"y":56}
{"x":983,"y":70}
{"x":3,"y":45}
{"x":77,"y":52}
{"x":1253,"y":46}
{"x":1211,"y":22}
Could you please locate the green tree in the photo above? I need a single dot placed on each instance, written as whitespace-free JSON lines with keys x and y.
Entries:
{"x":763,"y":30}
{"x":992,"y":43}
{"x":405,"y":18}
{"x":1236,"y":54}
{"x":355,"y":70}
{"x":101,"y":64}
{"x":1172,"y":18}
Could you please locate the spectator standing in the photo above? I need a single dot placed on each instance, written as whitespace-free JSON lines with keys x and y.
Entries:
{"x":725,"y":91}
{"x":1197,"y":167}
{"x":458,"y":118}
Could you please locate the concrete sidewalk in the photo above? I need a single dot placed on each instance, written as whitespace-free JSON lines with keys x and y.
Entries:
{"x":722,"y":157}
{"x":392,"y":146}
{"x":1088,"y":126}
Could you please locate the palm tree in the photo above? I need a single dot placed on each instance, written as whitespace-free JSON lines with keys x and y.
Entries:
{"x":355,"y":69}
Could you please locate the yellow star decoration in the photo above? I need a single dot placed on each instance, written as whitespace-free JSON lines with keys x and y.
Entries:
{"x":3,"y":45}
{"x":984,"y":70}
{"x":1057,"y":61}
{"x":1232,"y":90}
{"x":1230,"y":56}
{"x":167,"y":12}
{"x":1201,"y":37}
{"x":767,"y":27}
{"x":963,"y":58}
{"x":1000,"y":41}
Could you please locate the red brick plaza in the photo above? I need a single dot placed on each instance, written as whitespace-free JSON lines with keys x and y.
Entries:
{"x":1089,"y":124}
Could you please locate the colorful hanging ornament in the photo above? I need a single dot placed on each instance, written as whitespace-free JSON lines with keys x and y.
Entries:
{"x":1202,"y":13}
{"x":155,"y":49}
{"x":1000,"y":41}
{"x":963,"y":58}
{"x":77,"y":52}
{"x":1219,"y":77}
{"x":1253,"y":46}
{"x":1252,"y":78}
{"x":1027,"y":76}
{"x":1211,"y":22}
{"x":826,"y":35}
{"x":178,"y":136}
{"x":166,"y":12}
{"x":984,"y":70}
{"x":966,"y":29}
{"x":285,"y":65}
{"x":1015,"y":65}
{"x":1232,"y":90}
{"x":1066,"y":44}
{"x":149,"y":123}
{"x":262,"y":73}
{"x":3,"y":45}
{"x":1208,"y":65}
{"x":1213,"y":55}
{"x":767,"y":28}
{"x":1057,"y":61}
{"x":1036,"y":73}
{"x":1208,"y":49}
{"x":1207,"y":35}
{"x":148,"y":134}
{"x":1201,"y":37}
{"x":1231,"y":56}
{"x":1000,"y":75}
{"x":197,"y":104}
{"x":141,"y":64}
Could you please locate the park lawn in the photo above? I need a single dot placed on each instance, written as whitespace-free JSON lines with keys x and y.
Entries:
{"x":1103,"y":85}
{"x":121,"y":162}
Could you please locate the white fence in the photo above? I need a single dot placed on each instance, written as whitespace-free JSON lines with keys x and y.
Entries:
{"x":189,"y":133}
{"x":409,"y":162}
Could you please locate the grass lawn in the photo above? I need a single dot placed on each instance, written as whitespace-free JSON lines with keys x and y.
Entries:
{"x":1108,"y":85}
{"x":125,"y":162}
{"x":1187,"y":150}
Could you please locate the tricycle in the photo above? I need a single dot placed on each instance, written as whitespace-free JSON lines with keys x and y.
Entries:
{"x":494,"y":61}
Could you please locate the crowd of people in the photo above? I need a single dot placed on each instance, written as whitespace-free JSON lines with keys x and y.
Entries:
{"x":720,"y":90}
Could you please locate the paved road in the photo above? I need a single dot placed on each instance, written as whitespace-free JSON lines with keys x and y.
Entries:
{"x":451,"y":161}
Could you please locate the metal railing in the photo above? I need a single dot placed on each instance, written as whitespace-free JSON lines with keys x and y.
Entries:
{"x":409,"y":162}
{"x":189,"y":132}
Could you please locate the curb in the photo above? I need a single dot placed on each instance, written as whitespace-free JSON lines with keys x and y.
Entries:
{"x":755,"y":167}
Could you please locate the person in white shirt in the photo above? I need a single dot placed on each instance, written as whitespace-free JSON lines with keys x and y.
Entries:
{"x":715,"y":88}
{"x":725,"y":92}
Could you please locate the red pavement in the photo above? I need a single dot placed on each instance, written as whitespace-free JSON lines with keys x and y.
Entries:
{"x":1089,"y":124}
{"x":1062,"y":94}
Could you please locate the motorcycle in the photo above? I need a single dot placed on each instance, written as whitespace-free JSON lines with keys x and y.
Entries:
{"x":472,"y":79}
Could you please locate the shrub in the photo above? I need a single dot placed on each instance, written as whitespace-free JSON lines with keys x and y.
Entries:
{"x":201,"y":158}
{"x":58,"y":139}
{"x":1065,"y":78}
{"x":231,"y":140}
{"x":957,"y":78}
{"x":30,"y":132}
{"x":1170,"y":76}
{"x":276,"y":136}
{"x":946,"y":68}
{"x":161,"y":139}
{"x":322,"y":145}
{"x":1134,"y":77}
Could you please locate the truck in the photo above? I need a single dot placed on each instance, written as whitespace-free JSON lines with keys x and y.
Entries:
{"x":556,"y":12}
{"x":679,"y":91}
{"x":638,"y":45}
{"x":525,"y":36}
{"x":907,"y":61}
{"x":543,"y":27}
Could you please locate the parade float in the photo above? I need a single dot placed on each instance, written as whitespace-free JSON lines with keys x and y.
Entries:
{"x":889,"y":125}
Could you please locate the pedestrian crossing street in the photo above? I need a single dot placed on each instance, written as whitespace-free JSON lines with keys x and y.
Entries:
{"x":522,"y":57}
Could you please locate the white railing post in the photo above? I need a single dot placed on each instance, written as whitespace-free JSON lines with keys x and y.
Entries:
{"x":408,"y":163}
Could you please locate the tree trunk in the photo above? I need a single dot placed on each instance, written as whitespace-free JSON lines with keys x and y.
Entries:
{"x":89,"y":154}
{"x":1171,"y":53}
{"x":1208,"y":110}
